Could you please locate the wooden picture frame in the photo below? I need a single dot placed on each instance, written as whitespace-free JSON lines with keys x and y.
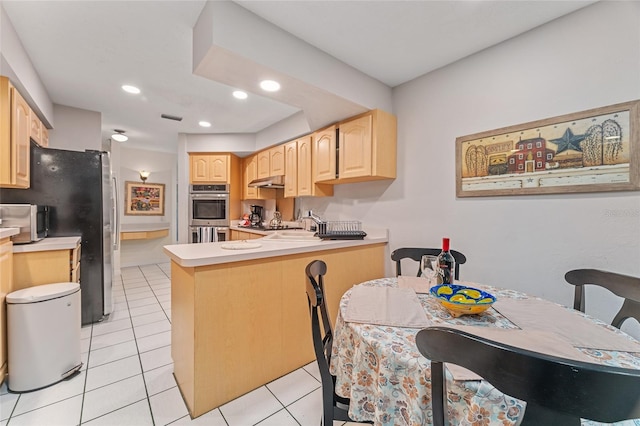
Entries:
{"x":144,"y":199}
{"x":588,"y":151}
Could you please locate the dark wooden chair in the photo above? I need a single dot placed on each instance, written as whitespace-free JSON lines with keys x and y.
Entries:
{"x":557,"y":391}
{"x":416,"y":254}
{"x":334,"y":407}
{"x":624,"y":286}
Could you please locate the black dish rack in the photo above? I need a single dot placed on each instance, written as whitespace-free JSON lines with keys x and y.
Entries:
{"x":341,"y":230}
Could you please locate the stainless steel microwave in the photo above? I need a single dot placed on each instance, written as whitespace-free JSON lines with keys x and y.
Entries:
{"x":31,"y":219}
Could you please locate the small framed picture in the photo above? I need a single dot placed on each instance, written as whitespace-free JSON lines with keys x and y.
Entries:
{"x":144,"y":199}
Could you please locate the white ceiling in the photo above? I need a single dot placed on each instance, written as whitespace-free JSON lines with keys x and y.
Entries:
{"x":85,"y":50}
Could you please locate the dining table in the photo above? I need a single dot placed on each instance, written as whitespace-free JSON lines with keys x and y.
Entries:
{"x":377,"y":365}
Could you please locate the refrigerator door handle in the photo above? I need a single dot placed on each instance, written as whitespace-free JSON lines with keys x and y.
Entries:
{"x":116,"y":216}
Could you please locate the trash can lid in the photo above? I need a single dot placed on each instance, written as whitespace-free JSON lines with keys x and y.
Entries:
{"x":40,"y":293}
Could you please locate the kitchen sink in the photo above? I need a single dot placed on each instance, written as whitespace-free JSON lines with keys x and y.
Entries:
{"x":292,"y":236}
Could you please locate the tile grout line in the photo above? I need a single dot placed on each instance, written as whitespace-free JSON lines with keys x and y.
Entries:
{"x":144,"y":381}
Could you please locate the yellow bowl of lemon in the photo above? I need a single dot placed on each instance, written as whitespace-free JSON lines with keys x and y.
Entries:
{"x":462,"y":300}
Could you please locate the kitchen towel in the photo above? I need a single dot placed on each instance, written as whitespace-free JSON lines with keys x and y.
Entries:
{"x":532,"y":340}
{"x":538,"y":314}
{"x":419,"y":284}
{"x":396,"y":307}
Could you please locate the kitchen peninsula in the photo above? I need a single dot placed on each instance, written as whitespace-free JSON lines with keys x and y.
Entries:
{"x":240,"y":316}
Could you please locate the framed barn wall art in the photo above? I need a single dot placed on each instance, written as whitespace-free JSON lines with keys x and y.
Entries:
{"x":588,"y":151}
{"x":144,"y":199}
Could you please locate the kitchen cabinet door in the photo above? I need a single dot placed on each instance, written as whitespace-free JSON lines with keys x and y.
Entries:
{"x":355,"y":148}
{"x":291,"y":169}
{"x":324,"y":155}
{"x":306,"y":185}
{"x":250,"y":173}
{"x":20,"y":131}
{"x":45,"y":137}
{"x":263,"y":159}
{"x":276,"y":161}
{"x":35,"y":128}
{"x":367,"y":147}
{"x":15,"y":116}
{"x":209,"y":168}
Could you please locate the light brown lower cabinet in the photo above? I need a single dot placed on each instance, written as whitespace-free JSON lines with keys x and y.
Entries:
{"x":46,"y":267}
{"x":6,"y":285}
{"x":243,"y":235}
{"x":239,"y":325}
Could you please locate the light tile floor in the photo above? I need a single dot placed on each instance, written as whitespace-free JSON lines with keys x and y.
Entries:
{"x":127,"y":376}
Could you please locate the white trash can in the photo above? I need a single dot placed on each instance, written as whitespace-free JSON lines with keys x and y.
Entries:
{"x":43,"y":335}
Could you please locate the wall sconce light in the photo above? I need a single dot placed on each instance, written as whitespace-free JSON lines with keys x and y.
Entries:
{"x":144,"y":175}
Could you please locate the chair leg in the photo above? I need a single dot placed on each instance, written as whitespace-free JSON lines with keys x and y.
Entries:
{"x":438,"y":393}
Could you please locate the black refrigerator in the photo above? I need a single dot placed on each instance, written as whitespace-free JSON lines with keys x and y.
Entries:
{"x":78,"y":187}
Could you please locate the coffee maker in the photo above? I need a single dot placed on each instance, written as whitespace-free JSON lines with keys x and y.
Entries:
{"x":256,"y":216}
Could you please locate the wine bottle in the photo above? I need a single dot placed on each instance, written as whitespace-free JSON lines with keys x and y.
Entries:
{"x":446,"y":263}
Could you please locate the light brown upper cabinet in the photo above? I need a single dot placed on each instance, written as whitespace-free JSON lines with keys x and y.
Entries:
{"x":365,"y":146}
{"x":45,"y":137}
{"x":250,"y":167}
{"x":271,"y":162}
{"x":291,"y":168}
{"x":37,"y":131}
{"x":276,"y":161}
{"x":15,"y":122}
{"x":209,"y":168}
{"x":324,"y":155}
{"x":298,"y":177}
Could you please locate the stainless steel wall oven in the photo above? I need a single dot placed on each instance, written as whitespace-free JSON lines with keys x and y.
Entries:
{"x":208,"y":213}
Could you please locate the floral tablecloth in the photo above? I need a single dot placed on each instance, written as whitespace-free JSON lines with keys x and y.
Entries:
{"x":388,"y":381}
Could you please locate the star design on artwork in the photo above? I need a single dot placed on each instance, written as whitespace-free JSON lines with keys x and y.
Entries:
{"x":568,"y":141}
{"x":530,"y":180}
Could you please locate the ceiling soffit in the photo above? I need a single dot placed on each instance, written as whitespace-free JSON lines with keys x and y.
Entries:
{"x":235,"y":47}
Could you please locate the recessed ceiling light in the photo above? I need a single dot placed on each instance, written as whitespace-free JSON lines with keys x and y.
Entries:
{"x":204,"y":124}
{"x":270,"y":85}
{"x":130,"y":89}
{"x":239,"y":94}
{"x":119,"y":136}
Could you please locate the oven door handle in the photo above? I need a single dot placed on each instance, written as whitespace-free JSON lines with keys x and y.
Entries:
{"x":208,"y":196}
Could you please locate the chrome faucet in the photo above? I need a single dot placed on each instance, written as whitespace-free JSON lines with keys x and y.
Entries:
{"x":310,"y":215}
{"x":315,"y":218}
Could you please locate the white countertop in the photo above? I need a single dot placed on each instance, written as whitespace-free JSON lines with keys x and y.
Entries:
{"x":49,"y":243}
{"x":191,"y":255}
{"x":8,"y":232}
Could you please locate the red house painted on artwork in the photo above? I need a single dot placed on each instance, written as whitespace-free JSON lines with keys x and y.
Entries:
{"x":530,"y":155}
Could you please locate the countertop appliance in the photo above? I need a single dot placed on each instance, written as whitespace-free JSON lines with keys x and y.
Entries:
{"x":77,"y":187}
{"x":31,"y":219}
{"x":256,"y":216}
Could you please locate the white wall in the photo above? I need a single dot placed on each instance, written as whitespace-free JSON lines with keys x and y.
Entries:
{"x":76,"y":129}
{"x":163,"y":169}
{"x":588,"y":59}
{"x":16,"y":64}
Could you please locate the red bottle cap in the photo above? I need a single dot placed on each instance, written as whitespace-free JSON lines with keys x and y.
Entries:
{"x":445,"y":244}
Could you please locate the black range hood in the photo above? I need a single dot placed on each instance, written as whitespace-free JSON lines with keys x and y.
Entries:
{"x":276,"y":182}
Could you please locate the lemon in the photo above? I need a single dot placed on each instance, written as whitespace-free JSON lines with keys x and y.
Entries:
{"x":474,"y":294}
{"x":459,"y":298}
{"x":444,"y":290}
{"x":486,"y":300}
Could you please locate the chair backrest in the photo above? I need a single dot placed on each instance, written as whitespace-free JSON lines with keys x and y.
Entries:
{"x":621,"y":285}
{"x":322,"y":342}
{"x":557,"y":391}
{"x":416,"y":254}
